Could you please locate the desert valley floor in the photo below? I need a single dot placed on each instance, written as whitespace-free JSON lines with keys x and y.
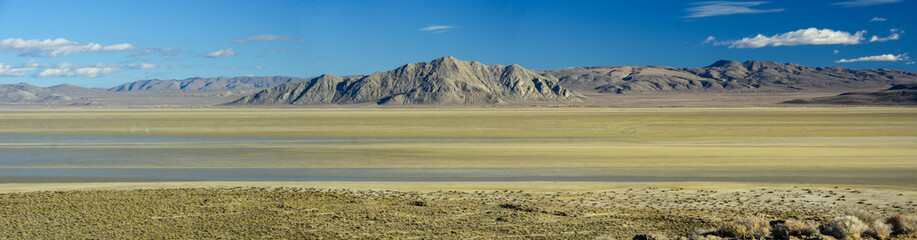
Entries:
{"x":491,"y":173}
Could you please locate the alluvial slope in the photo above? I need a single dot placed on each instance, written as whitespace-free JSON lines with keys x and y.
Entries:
{"x":444,"y":81}
{"x":901,"y":94}
{"x":724,"y":76}
{"x":198,"y":83}
{"x":24,"y":92}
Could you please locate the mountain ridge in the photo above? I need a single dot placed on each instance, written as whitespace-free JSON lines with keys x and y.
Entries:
{"x":443,"y":81}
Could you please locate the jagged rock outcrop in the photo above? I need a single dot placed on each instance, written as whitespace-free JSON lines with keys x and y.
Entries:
{"x":726,"y":76}
{"x":199,"y":84}
{"x":444,"y":81}
{"x":900,"y":94}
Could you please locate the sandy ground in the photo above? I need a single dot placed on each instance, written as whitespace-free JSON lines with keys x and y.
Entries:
{"x":417,"y":210}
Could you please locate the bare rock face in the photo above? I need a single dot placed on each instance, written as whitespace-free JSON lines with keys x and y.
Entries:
{"x":726,"y":76}
{"x":198,"y":83}
{"x":444,"y":81}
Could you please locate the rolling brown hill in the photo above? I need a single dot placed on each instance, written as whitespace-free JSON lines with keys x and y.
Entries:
{"x":901,"y":94}
{"x":27,"y":93}
{"x":444,"y":81}
{"x":726,"y":76}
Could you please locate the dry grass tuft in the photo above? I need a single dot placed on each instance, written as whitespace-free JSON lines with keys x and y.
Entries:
{"x":902,"y":225}
{"x":879,"y":229}
{"x":744,"y":228}
{"x":847,"y":227}
{"x":792,"y":228}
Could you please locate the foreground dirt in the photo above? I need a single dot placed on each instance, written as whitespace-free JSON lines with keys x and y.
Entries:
{"x":294,"y":213}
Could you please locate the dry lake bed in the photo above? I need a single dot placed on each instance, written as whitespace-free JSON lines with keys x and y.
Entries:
{"x":400,"y":173}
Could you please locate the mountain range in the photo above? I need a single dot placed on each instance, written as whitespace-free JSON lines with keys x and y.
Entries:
{"x":449,"y":81}
{"x":204,"y":84}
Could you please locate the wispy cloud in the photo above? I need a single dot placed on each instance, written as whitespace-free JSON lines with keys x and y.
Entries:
{"x":150,"y":51}
{"x":809,"y":36}
{"x":248,"y":68}
{"x":283,"y":50}
{"x":877,"y":58}
{"x":877,"y":19}
{"x":67,"y":69}
{"x":894,"y":36}
{"x":863,"y":3}
{"x":11,"y":71}
{"x":56,"y":47}
{"x":263,"y":38}
{"x":437,"y":28}
{"x":222,"y":53}
{"x":719,"y":8}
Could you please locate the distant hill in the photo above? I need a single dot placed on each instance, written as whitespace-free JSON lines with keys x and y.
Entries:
{"x":25,"y":93}
{"x":901,"y":94}
{"x":444,"y":81}
{"x":200,"y":84}
{"x":725,"y":76}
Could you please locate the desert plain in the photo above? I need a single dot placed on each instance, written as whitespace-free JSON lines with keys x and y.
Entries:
{"x":559,"y":173}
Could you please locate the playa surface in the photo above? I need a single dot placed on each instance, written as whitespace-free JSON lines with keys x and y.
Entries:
{"x":848,"y":146}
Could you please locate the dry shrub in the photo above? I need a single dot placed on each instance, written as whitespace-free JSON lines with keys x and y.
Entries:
{"x":902,"y":225}
{"x":791,"y":228}
{"x":731,"y":230}
{"x":744,"y":228}
{"x":879,"y":229}
{"x":704,"y":237}
{"x":864,"y":215}
{"x":847,"y":227}
{"x":651,"y":236}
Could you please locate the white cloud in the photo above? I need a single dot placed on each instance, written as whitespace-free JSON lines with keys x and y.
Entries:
{"x":222,"y":53}
{"x":836,"y":51}
{"x":894,"y":36}
{"x":56,"y":47}
{"x":877,"y":19}
{"x":809,"y":36}
{"x":437,"y":28}
{"x":263,"y":38}
{"x":719,"y":8}
{"x":877,"y":58}
{"x":12,"y":71}
{"x":863,"y":3}
{"x":149,"y":51}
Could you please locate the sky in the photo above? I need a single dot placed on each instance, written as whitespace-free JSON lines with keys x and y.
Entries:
{"x":106,"y":43}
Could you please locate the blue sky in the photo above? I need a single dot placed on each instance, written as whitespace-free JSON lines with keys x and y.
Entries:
{"x":105,"y":43}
